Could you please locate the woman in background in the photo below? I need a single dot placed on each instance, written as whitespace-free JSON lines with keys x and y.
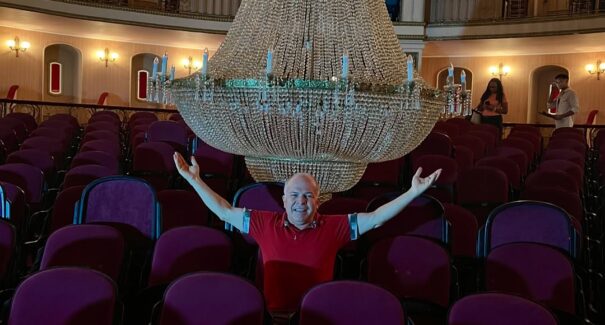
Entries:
{"x":493,"y":103}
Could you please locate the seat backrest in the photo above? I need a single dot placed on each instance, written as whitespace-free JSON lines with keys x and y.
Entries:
{"x":463,"y":231}
{"x":422,"y":217}
{"x":517,"y":155}
{"x":411,"y":268}
{"x":167,"y":131}
{"x":99,"y":135}
{"x":35,"y":157}
{"x":109,"y":113}
{"x":8,"y":243}
{"x":28,"y":119}
{"x":182,"y":208}
{"x":569,"y":201}
{"x":463,"y":124}
{"x":107,"y":146}
{"x":123,"y":200}
{"x":566,"y":166}
{"x":553,"y":178}
{"x":64,"y":207}
{"x":523,"y":144}
{"x":435,"y":143}
{"x":476,"y":144}
{"x":260,"y":196}
{"x":29,"y":178}
{"x":384,"y":173}
{"x":98,"y":247}
{"x":538,"y":272}
{"x":498,"y":309}
{"x":214,"y":161}
{"x":351,"y":303}
{"x":85,"y":174}
{"x":481,"y":189}
{"x":16,"y":125}
{"x":189,"y":249}
{"x":96,"y":158}
{"x":201,"y":298}
{"x":154,"y":157}
{"x":464,"y":158}
{"x":103,"y":126}
{"x":64,"y":296}
{"x":506,"y":165}
{"x":430,"y":163}
{"x":528,"y":221}
{"x":342,"y":205}
{"x":567,"y":130}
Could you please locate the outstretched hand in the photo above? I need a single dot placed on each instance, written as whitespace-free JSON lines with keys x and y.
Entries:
{"x":189,"y":173}
{"x":421,"y":184}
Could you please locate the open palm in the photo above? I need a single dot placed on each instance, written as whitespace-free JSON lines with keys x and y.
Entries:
{"x":421,"y":184}
{"x":188,"y":172}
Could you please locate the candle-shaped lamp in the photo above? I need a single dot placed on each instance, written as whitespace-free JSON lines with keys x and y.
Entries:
{"x":410,"y":65}
{"x":450,"y":71}
{"x":463,"y":80}
{"x":345,"y":65}
{"x":269,"y":68}
{"x":205,"y":62}
{"x":154,"y":72}
{"x":164,"y":63}
{"x":172,"y":72}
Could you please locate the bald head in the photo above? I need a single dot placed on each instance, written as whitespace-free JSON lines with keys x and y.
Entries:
{"x":301,"y":194}
{"x":299,"y":178}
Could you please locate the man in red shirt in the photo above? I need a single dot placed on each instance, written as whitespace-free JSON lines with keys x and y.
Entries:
{"x":299,"y":246}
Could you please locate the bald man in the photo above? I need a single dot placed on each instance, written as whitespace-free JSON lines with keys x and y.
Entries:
{"x":299,"y":246}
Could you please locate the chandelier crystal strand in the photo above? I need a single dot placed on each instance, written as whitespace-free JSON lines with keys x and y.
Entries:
{"x":310,"y":114}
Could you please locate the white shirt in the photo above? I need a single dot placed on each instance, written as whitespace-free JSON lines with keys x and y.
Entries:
{"x":566,"y":101}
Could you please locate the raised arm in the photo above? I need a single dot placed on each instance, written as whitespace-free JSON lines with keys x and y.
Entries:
{"x":213,"y":201}
{"x":370,"y":220}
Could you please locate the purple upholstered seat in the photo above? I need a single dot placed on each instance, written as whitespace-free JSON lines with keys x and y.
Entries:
{"x":53,"y":146}
{"x":27,"y":119}
{"x":106,"y":113}
{"x":101,"y":135}
{"x":8,"y":241}
{"x":64,"y":207}
{"x":8,"y":139}
{"x":378,"y":179}
{"x":212,"y":298}
{"x":62,"y":118}
{"x":411,"y":268}
{"x":553,"y":178}
{"x":85,"y":174}
{"x":342,"y":205}
{"x":350,"y":303}
{"x":476,"y":144}
{"x":108,"y":146}
{"x":37,"y":158}
{"x":498,"y":309}
{"x":29,"y":178}
{"x":422,"y":217}
{"x":96,"y":158}
{"x":515,"y":154}
{"x":569,"y":201}
{"x":95,"y":118}
{"x":62,"y":296}
{"x":507,"y":166}
{"x":182,"y":208}
{"x":565,"y":166}
{"x":16,"y":125}
{"x":538,"y":272}
{"x":463,"y":124}
{"x":189,"y":249}
{"x":102,"y":126}
{"x":564,"y":154}
{"x":98,"y":247}
{"x":213,"y":161}
{"x":528,"y":221}
{"x":169,"y":132}
{"x":434,"y":144}
{"x":125,"y":201}
{"x":153,"y":161}
{"x":568,"y":144}
{"x":522,"y":144}
{"x":481,"y":189}
{"x":463,"y":230}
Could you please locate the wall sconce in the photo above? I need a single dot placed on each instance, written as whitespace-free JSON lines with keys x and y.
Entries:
{"x":106,"y":56}
{"x":189,"y":64}
{"x":17,"y":46}
{"x":499,"y":71}
{"x":598,"y":69}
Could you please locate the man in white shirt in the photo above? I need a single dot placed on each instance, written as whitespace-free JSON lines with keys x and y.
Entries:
{"x":566,"y":103}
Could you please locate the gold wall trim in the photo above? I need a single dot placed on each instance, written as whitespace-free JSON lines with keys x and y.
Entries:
{"x":529,"y":20}
{"x":517,"y":35}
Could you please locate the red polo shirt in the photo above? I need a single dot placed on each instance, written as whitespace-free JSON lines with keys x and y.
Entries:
{"x":296,"y":260}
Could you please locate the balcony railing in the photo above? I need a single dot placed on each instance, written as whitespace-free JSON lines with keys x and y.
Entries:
{"x":460,"y":11}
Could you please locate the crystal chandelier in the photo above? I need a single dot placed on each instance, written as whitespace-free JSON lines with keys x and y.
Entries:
{"x":312,"y":86}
